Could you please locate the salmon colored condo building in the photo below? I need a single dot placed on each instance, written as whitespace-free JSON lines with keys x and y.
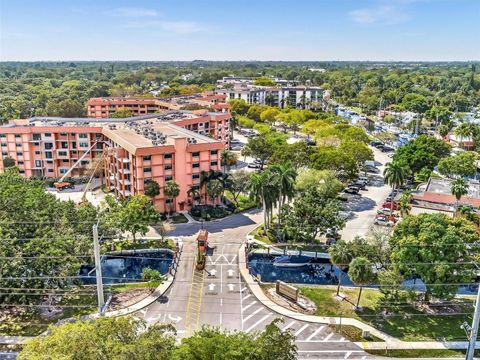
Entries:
{"x":169,"y":146}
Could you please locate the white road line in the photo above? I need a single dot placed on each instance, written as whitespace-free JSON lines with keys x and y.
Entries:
{"x":251,"y":304}
{"x":301,"y":329}
{"x":328,"y":337}
{"x":233,"y":259}
{"x":364,"y":358}
{"x":329,"y":351}
{"x":246,"y":297}
{"x":315,"y":333}
{"x":252,"y":314}
{"x":258,"y":322}
{"x":347,"y":355}
{"x":243,"y":289}
{"x":288,"y":326}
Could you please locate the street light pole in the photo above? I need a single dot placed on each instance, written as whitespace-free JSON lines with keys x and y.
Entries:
{"x":473,"y":333}
{"x":98,"y":269}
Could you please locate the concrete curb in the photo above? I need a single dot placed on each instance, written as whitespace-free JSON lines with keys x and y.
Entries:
{"x":390,"y":342}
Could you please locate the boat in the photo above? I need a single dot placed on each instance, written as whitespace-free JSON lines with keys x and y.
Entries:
{"x":292,"y":261}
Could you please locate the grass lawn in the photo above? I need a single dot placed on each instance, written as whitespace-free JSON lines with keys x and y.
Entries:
{"x":352,"y":333}
{"x":32,"y":324}
{"x":244,"y":202}
{"x":259,"y":235}
{"x":433,"y":353}
{"x":420,"y":326}
{"x":139,"y":285}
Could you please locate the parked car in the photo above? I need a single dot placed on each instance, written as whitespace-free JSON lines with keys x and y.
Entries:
{"x":352,"y":190}
{"x":365,"y":179}
{"x":386,"y":211}
{"x":254,"y":166}
{"x":371,"y":169}
{"x":359,"y":184}
{"x":236,"y":147}
{"x":387,"y":149}
{"x":375,"y":143}
{"x":384,"y":220}
{"x":391,"y":205}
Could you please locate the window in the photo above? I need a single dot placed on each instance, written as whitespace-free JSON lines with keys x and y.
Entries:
{"x":48,"y":135}
{"x":195,"y":176}
{"x":17,"y":136}
{"x":83,"y":144}
{"x":18,"y":145}
{"x":2,"y":135}
{"x":49,"y":161}
{"x":82,"y":136}
{"x":50,"y":170}
{"x":65,"y":161}
{"x":147,"y":157}
{"x":4,"y":153}
{"x":168,"y":178}
{"x":147,"y":169}
{"x":48,"y":155}
{"x":63,"y":171}
{"x":168,"y":167}
{"x":63,"y":134}
{"x":74,"y":145}
{"x":19,"y":153}
{"x":62,"y":153}
{"x":195,"y":165}
{"x":195,"y":154}
{"x":20,"y":163}
{"x":37,"y":152}
{"x":213,"y":152}
{"x":36,"y":137}
{"x":4,"y":144}
{"x":64,"y":145}
{"x":167,"y":156}
{"x":213,"y":163}
{"x":168,"y":201}
{"x":38,"y":163}
{"x":48,"y":146}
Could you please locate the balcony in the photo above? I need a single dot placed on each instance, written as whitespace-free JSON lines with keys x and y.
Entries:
{"x":126,"y":171}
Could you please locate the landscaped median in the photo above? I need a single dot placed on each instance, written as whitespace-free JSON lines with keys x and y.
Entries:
{"x":406,"y":335}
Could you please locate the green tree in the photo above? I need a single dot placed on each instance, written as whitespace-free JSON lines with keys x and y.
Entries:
{"x":134,"y":215}
{"x":65,"y":108}
{"x":8,"y":162}
{"x":269,"y":115}
{"x":359,"y":151}
{"x":462,"y":164}
{"x":395,"y":174}
{"x":391,"y":283}
{"x":171,"y":191}
{"x":458,"y":188}
{"x":152,"y":276}
{"x":239,"y":107}
{"x":423,"y":152}
{"x":437,"y":249}
{"x":254,"y":112}
{"x":285,"y":182}
{"x":298,"y":154}
{"x":312,"y":214}
{"x":262,"y":188}
{"x":331,"y":158}
{"x":152,"y":188}
{"x":340,"y":255}
{"x":361,"y":273}
{"x":109,"y":338}
{"x":228,"y":159}
{"x":438,"y":114}
{"x":308,"y":178}
{"x":214,"y":189}
{"x":264,"y":81}
{"x":415,"y":102}
{"x":404,"y":203}
{"x":194,"y":193}
{"x":263,"y":147}
{"x":239,"y":179}
{"x":122,"y":113}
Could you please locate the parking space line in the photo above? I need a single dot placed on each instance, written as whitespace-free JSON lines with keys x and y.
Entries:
{"x":253,"y":314}
{"x":258,"y":322}
{"x":251,"y":304}
{"x":320,"y":328}
{"x":301,"y":329}
{"x":328,"y":337}
{"x":347,"y":355}
{"x":288,"y":326}
{"x":246,"y":297}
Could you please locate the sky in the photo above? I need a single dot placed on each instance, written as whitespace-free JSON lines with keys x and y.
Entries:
{"x":290,"y":30}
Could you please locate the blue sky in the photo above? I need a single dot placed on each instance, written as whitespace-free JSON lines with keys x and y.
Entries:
{"x":240,"y":30}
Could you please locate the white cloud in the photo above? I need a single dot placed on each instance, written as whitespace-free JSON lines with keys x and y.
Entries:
{"x":384,"y":14}
{"x":134,"y":12}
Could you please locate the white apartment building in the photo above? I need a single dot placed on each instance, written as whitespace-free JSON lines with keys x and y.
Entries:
{"x":295,"y":96}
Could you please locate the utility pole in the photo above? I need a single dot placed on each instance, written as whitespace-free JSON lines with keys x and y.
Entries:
{"x":98,"y":269}
{"x":474,"y":331}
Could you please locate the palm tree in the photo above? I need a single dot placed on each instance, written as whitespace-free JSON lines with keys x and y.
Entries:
{"x":214,"y":189}
{"x":340,"y":255}
{"x":464,"y":130}
{"x":227,"y":159}
{"x":285,"y":181}
{"x":469,"y":213}
{"x":458,"y":188}
{"x":194,"y":193}
{"x":361,"y":273}
{"x":395,"y":175}
{"x":261,"y":188}
{"x":405,"y":203}
{"x":171,"y":191}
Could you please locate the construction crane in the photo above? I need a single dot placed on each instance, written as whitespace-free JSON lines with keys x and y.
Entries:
{"x":61,"y":184}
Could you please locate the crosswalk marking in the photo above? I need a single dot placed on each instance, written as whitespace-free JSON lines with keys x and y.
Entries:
{"x":347,"y":355}
{"x":288,"y":326}
{"x":315,"y":332}
{"x":258,"y":322}
{"x":252,"y":314}
{"x":328,"y":337}
{"x":251,"y":304}
{"x":301,"y":329}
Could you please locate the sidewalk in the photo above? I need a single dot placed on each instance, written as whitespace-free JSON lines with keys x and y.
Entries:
{"x":390,"y":342}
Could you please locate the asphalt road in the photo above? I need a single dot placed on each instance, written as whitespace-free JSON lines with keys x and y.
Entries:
{"x":219,"y":297}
